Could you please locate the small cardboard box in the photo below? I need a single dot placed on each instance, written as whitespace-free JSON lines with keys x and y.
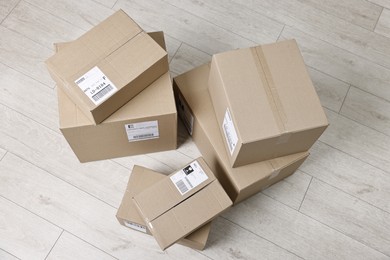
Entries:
{"x":140,"y":179}
{"x":107,"y":66}
{"x":146,"y":124}
{"x":181,"y":203}
{"x":265,"y":102}
{"x":195,"y":108}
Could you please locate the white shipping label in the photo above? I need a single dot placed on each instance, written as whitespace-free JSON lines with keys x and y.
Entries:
{"x":97,"y":86}
{"x":142,"y":131}
{"x":230,"y":131}
{"x":185,"y":114}
{"x":189,"y":177}
{"x":135,"y":226}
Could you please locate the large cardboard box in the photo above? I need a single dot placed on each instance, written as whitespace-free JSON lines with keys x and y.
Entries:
{"x":107,"y":66}
{"x":265,"y":102}
{"x":147,"y":123}
{"x":182,"y":202}
{"x":195,"y":108}
{"x":140,"y":179}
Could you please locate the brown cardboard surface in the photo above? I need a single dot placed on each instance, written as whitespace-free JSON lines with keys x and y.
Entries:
{"x":171,"y":215}
{"x":128,"y":215}
{"x":273,"y":105}
{"x":193,"y":99}
{"x":109,"y":139}
{"x":123,"y":52}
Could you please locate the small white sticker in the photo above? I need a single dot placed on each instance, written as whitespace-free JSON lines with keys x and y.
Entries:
{"x":97,"y":86}
{"x":142,"y":131}
{"x":230,"y":131}
{"x":189,"y":177}
{"x":185,"y":114}
{"x":135,"y":226}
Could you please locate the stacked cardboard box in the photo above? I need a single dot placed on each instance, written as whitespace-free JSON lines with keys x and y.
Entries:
{"x":253,"y":113}
{"x":136,"y":124}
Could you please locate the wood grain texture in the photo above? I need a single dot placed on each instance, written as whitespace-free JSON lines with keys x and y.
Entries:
{"x":70,"y":247}
{"x":6,"y":256}
{"x":233,"y":17}
{"x":345,"y":213}
{"x":324,"y":26}
{"x":359,"y":12}
{"x":229,"y":241}
{"x":291,"y":190}
{"x":40,"y":26}
{"x":24,"y":234}
{"x":83,"y":14}
{"x":368,"y":110}
{"x":362,"y":142}
{"x":349,"y":174}
{"x":182,"y":25}
{"x":22,"y":93}
{"x":6,"y":7}
{"x":187,"y":58}
{"x":331,"y":91}
{"x":24,"y":55}
{"x":341,"y":64}
{"x":79,"y":213}
{"x":383,"y":3}
{"x":2,"y":153}
{"x":43,"y":147}
{"x":349,"y":215}
{"x":383,"y":25}
{"x":296,"y":232}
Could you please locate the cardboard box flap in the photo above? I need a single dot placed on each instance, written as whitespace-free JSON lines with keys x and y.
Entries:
{"x":140,"y":106}
{"x":193,"y":85}
{"x":128,"y":215}
{"x":294,"y":94}
{"x":181,"y":219}
{"x":279,"y":87}
{"x":181,"y":185}
{"x":98,"y":42}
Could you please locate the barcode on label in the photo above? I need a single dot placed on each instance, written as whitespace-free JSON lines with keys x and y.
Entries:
{"x":143,"y":136}
{"x":102,"y":92}
{"x":182,"y":186}
{"x":189,"y":177}
{"x":142,"y":131}
{"x":229,"y":131}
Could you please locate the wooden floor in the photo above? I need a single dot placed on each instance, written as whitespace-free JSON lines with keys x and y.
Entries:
{"x":337,"y":206}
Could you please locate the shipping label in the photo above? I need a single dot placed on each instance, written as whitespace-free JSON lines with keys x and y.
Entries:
{"x":142,"y":131}
{"x":135,"y":226}
{"x":189,"y":177}
{"x":96,"y":85}
{"x":229,"y":131}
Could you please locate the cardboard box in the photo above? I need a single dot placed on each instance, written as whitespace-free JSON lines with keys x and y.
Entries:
{"x":181,"y":203}
{"x":265,"y":102}
{"x":107,"y":66}
{"x":151,"y":114}
{"x":194,"y":104}
{"x":140,"y":179}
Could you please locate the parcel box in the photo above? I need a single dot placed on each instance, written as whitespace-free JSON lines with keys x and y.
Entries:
{"x":195,"y":108}
{"x":265,"y":102}
{"x":140,"y":179}
{"x":181,"y":203}
{"x":107,"y":66}
{"x":146,"y":124}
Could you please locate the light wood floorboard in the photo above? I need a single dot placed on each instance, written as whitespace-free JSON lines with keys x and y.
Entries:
{"x":336,"y":206}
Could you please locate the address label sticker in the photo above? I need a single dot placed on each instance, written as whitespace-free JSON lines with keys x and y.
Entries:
{"x":142,"y":131}
{"x":229,"y":131}
{"x":96,"y":85}
{"x":189,"y":177}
